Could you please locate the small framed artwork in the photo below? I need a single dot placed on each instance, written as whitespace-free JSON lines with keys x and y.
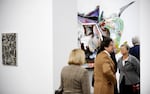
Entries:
{"x":9,"y":49}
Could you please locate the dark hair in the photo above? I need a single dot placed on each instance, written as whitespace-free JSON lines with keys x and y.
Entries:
{"x":105,"y":43}
{"x":107,"y":31}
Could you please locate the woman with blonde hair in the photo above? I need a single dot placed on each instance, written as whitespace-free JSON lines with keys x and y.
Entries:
{"x":74,"y":78}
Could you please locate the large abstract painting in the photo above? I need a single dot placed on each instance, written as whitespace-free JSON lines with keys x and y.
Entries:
{"x":9,"y":49}
{"x":94,"y":25}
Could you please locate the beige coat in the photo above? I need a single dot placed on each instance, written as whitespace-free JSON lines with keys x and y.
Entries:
{"x":75,"y":80}
{"x":104,"y":74}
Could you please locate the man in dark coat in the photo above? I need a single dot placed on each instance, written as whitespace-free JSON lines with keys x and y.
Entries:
{"x":135,"y":50}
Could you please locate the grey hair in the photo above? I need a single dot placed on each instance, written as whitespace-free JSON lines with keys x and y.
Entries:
{"x":127,"y":46}
{"x":135,"y":40}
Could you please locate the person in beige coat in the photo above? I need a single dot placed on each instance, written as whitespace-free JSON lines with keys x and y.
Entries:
{"x":74,"y":78}
{"x":104,"y":71}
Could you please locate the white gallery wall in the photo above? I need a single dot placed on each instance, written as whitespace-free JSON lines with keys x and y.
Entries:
{"x":145,"y":45}
{"x":31,"y":20}
{"x":64,"y":35}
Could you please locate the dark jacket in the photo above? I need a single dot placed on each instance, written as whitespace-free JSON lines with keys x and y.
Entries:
{"x":135,"y":51}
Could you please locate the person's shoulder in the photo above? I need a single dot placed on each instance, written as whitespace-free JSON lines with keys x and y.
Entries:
{"x":103,"y":54}
{"x":75,"y":67}
{"x":82,"y":69}
{"x":133,"y":58}
{"x":135,"y":47}
{"x":131,"y":48}
{"x":65,"y":67}
{"x":100,"y":55}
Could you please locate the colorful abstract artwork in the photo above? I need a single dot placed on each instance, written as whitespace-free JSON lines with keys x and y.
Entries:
{"x":93,"y":26}
{"x":115,"y":26}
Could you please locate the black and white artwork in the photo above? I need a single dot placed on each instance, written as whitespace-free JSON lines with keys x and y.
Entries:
{"x":9,"y":49}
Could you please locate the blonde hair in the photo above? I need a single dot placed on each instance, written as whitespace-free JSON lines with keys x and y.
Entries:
{"x":77,"y":57}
